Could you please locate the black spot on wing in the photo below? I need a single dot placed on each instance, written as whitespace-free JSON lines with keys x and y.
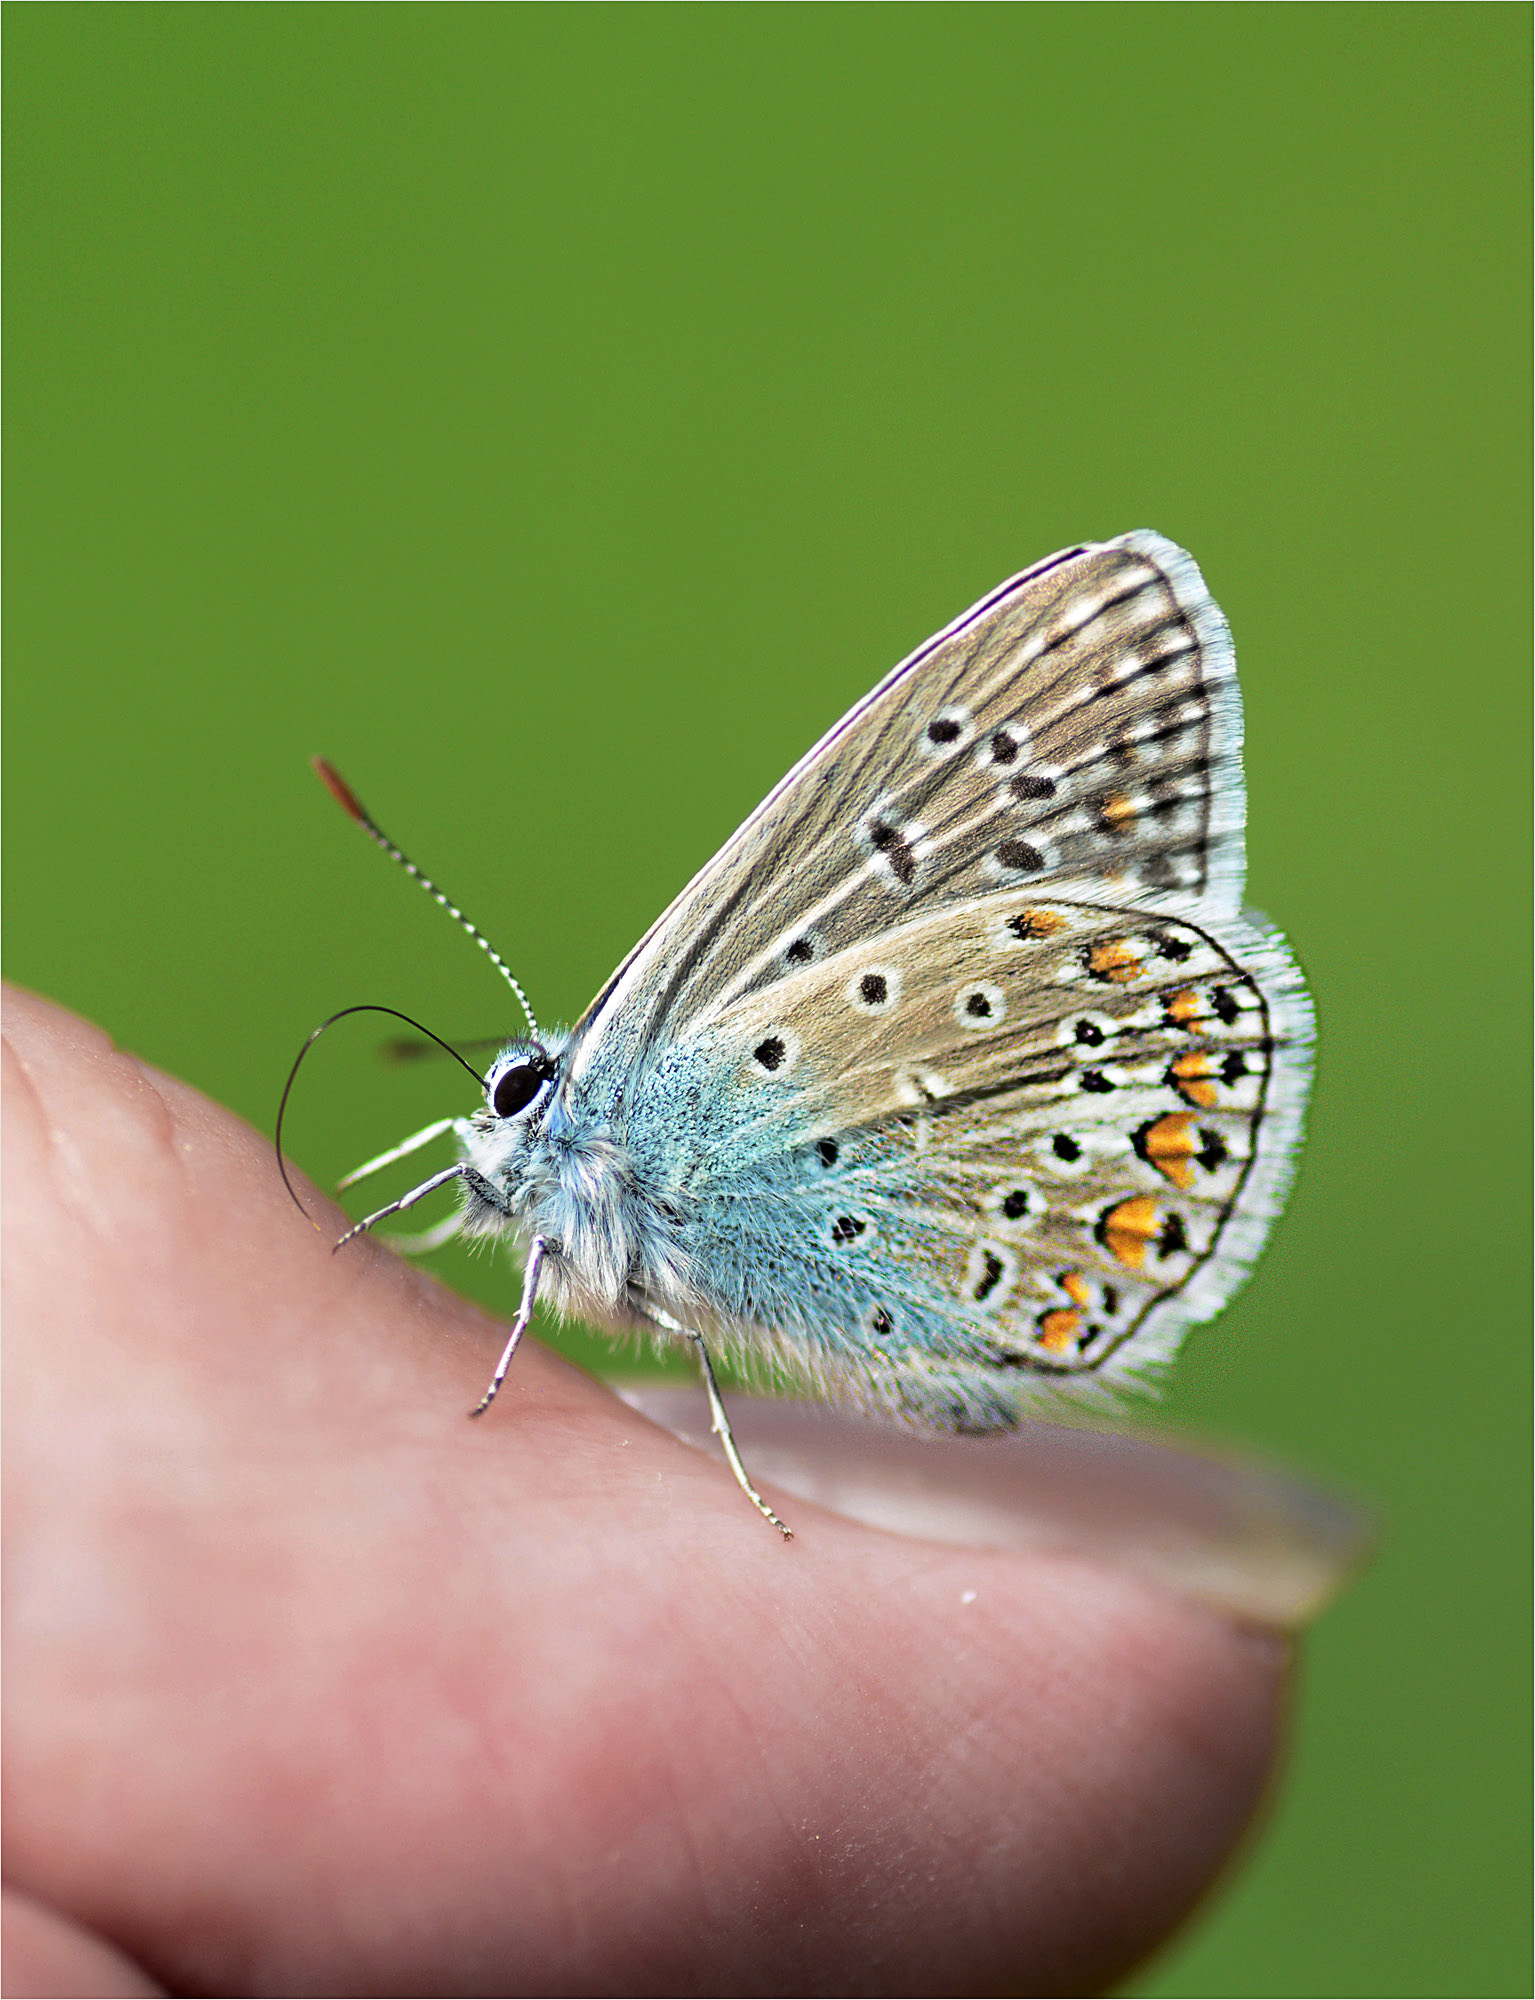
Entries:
{"x":990,"y":1278}
{"x":893,"y":845}
{"x":1213,"y":1150}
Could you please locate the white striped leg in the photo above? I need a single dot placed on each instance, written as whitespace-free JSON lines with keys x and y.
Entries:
{"x":720,"y":1423}
{"x":405,"y":1201}
{"x":471,"y":1176}
{"x":519,"y":1324}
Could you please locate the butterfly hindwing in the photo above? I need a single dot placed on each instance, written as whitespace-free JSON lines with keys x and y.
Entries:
{"x":1023,"y":1140}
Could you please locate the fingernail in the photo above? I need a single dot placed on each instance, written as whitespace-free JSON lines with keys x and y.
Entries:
{"x":1245,"y":1537}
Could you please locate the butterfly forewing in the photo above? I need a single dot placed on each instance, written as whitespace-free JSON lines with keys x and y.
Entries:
{"x":1080,"y":725}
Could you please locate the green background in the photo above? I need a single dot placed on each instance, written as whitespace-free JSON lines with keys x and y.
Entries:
{"x":559,"y":415}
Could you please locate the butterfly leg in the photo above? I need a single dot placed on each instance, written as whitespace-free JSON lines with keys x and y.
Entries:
{"x":720,"y":1422}
{"x":535,"y":1265}
{"x":471,"y":1178}
{"x":458,"y":1173}
{"x":406,"y":1146}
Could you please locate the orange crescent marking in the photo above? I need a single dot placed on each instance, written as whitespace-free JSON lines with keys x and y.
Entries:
{"x":1115,"y":961}
{"x":1129,"y":1227}
{"x":1170,"y":1144}
{"x":1058,"y":1330}
{"x":1191,"y":1072}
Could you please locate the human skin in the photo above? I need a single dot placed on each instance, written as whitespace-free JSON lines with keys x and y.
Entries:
{"x":316,"y":1688}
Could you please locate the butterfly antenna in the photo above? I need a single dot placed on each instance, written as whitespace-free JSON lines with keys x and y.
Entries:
{"x":347,"y":799}
{"x":365,"y":1007}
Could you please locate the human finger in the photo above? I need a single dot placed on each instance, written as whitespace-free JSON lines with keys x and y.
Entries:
{"x":324,"y":1689}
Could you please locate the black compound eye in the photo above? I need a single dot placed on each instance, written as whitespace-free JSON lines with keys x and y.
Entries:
{"x":519,"y":1083}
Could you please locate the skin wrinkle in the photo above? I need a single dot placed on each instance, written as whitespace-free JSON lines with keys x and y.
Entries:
{"x":86,"y":1191}
{"x":23,"y":1099}
{"x":499,"y":1708}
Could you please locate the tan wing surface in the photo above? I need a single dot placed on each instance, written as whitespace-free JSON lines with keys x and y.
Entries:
{"x":1077,"y":731}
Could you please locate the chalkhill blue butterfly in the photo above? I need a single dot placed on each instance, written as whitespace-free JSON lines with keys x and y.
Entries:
{"x":958,"y":1078}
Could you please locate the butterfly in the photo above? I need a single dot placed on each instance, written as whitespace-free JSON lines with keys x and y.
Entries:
{"x":959,"y":1078}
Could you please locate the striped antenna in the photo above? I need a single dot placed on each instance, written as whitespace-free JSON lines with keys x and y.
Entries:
{"x":347,"y":799}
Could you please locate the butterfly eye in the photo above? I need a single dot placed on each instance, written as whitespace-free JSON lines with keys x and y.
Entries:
{"x":519,"y":1083}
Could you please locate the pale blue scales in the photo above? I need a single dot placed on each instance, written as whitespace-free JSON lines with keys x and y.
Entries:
{"x":958,"y":1077}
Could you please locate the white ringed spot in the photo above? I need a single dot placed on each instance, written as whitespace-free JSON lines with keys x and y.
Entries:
{"x":947,"y":733}
{"x":874,"y":990}
{"x":991,"y":1271}
{"x":1013,"y":1201}
{"x":773,"y":1054}
{"x":980,"y":1004}
{"x":894,"y":846}
{"x":1063,"y":1154}
{"x":1088,"y":1031}
{"x":1004,"y":749}
{"x":800,"y":950}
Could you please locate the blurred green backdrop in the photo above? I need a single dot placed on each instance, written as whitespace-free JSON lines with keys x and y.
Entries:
{"x":559,"y":415}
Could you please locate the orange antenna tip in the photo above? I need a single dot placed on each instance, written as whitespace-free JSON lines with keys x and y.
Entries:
{"x":339,"y":789}
{"x":350,"y":804}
